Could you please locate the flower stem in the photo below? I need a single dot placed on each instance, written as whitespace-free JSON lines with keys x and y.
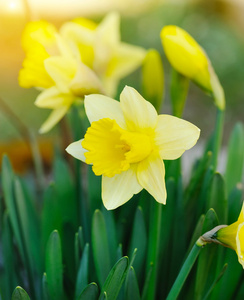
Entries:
{"x":217,"y":137}
{"x":185,"y":270}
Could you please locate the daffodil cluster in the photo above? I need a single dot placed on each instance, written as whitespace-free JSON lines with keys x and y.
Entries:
{"x":80,"y":59}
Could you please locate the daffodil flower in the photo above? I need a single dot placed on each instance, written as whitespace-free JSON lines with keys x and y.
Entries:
{"x":81,"y":59}
{"x":188,"y":58}
{"x":127,"y":143}
{"x":101,"y":48}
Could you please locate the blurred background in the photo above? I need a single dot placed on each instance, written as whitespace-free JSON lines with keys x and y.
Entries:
{"x":217,"y":25}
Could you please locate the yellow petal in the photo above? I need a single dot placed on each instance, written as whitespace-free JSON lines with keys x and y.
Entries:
{"x":33,"y":64}
{"x":55,"y":116}
{"x":53,"y":98}
{"x":81,"y":39}
{"x":38,"y":31}
{"x":76,"y":150}
{"x":62,"y":70}
{"x":240,"y":244}
{"x":241,"y":216}
{"x":98,"y":107}
{"x":85,"y":82}
{"x":140,"y":115}
{"x":125,"y":59}
{"x":189,"y":59}
{"x":119,"y":189}
{"x":185,"y":55}
{"x":150,"y":174}
{"x":173,"y":136}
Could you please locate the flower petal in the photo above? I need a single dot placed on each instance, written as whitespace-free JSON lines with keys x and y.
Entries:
{"x":62,"y":70}
{"x":138,"y":113}
{"x":173,"y":136}
{"x":52,"y":98}
{"x":150,"y":174}
{"x":241,"y":216}
{"x":76,"y":150}
{"x":99,"y":107}
{"x":119,"y":189}
{"x":55,"y":116}
{"x":240,"y":244}
{"x":126,"y":59}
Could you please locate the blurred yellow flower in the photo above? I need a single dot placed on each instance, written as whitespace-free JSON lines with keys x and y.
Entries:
{"x":126,"y":144}
{"x":233,"y":236}
{"x":188,"y":58}
{"x":81,"y":59}
{"x":100,"y":47}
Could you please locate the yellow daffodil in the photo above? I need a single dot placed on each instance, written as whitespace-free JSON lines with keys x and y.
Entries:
{"x":126,"y":144}
{"x":81,"y":59}
{"x":188,"y":58}
{"x":100,"y":47}
{"x":233,"y":236}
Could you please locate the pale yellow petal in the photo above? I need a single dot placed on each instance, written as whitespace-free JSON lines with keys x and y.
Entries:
{"x":85,"y":82}
{"x":151,"y":176}
{"x":140,"y":115}
{"x":120,"y":188}
{"x":52,"y":98}
{"x":55,"y":116}
{"x":98,"y":107}
{"x":173,"y":136}
{"x":75,"y":149}
{"x":240,"y":244}
{"x":241,"y":216}
{"x":125,"y":59}
{"x":62,"y":70}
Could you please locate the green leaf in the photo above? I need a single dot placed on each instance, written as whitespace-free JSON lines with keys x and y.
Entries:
{"x":178,"y":92}
{"x":20,"y":294}
{"x":10,"y":271}
{"x":131,"y":286}
{"x":90,"y":292}
{"x":147,"y":282}
{"x":235,"y":158}
{"x":54,"y":267}
{"x":235,"y":201}
{"x":100,"y":241}
{"x":207,"y":262}
{"x":45,"y":292}
{"x":29,"y":230}
{"x":217,"y":198}
{"x":82,"y":276}
{"x":138,"y":241}
{"x":111,"y":234}
{"x":115,"y":279}
{"x":8,"y":192}
{"x":79,"y":246}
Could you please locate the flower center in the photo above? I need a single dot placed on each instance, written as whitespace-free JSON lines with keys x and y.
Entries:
{"x":112,"y":149}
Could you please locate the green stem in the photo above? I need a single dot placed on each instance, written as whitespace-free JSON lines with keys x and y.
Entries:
{"x":153,"y":251}
{"x":185,"y":270}
{"x":217,"y":137}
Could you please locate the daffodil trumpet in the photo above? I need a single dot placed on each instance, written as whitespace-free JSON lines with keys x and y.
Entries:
{"x":127,"y":143}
